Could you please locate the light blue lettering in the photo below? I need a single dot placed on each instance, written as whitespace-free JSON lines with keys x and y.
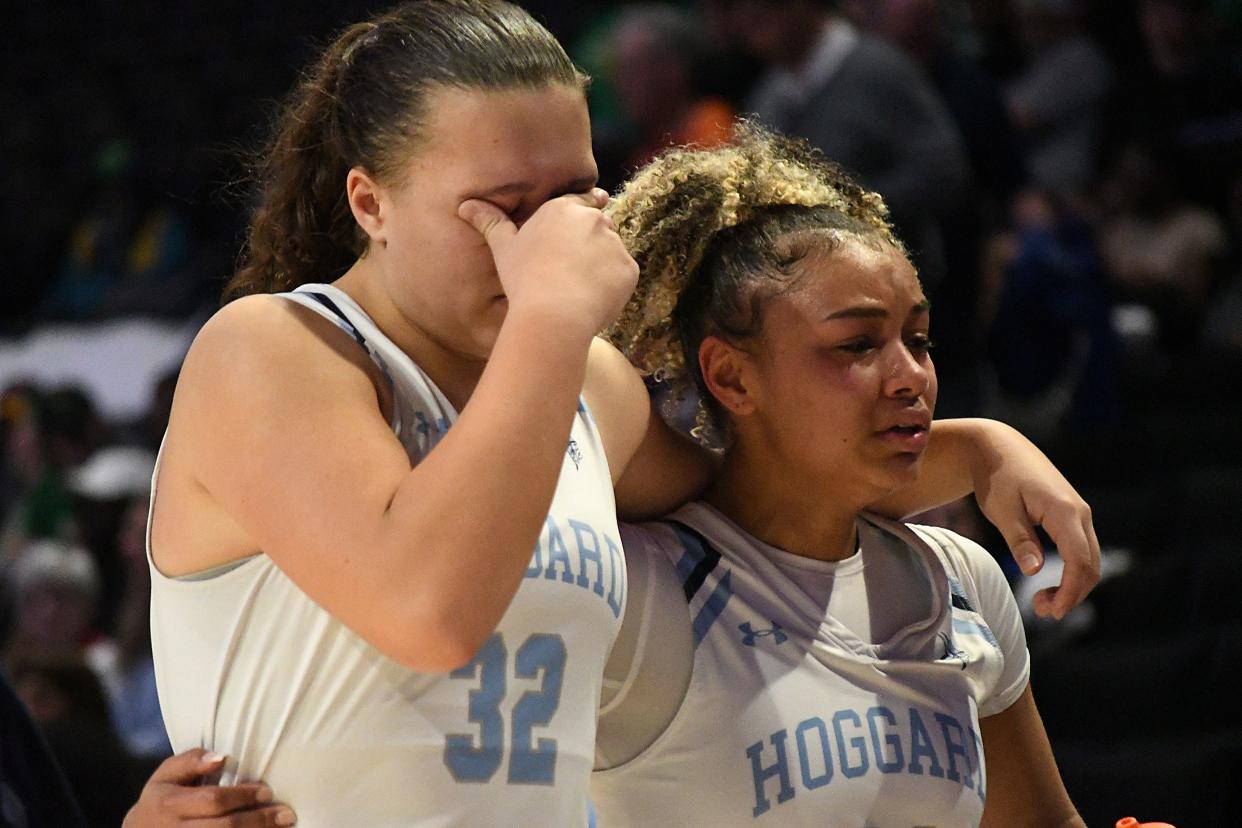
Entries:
{"x":978,"y":748}
{"x":557,"y":552}
{"x":921,"y":746}
{"x":779,"y":768}
{"x":588,"y":554}
{"x":892,"y":740}
{"x":536,"y":561}
{"x":858,"y":743}
{"x":813,"y":782}
{"x":618,"y":576}
{"x":955,"y":747}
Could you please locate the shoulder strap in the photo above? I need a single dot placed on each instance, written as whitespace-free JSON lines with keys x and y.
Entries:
{"x":698,"y":559}
{"x":340,"y":314}
{"x":707,"y":590}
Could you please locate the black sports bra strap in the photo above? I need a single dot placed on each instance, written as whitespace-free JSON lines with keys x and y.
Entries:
{"x":330,"y":305}
{"x":692,"y":539}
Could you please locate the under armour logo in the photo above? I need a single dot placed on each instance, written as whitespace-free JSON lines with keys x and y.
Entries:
{"x":574,"y":453}
{"x":749,"y":634}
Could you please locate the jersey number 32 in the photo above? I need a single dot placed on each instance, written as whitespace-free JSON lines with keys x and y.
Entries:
{"x":475,"y":757}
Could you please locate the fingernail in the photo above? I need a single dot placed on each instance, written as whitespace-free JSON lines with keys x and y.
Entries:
{"x":263,"y":794}
{"x":285,"y":817}
{"x":213,"y":758}
{"x":1028,"y":562}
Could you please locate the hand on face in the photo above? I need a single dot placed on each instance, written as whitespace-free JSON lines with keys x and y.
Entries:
{"x":566,"y":259}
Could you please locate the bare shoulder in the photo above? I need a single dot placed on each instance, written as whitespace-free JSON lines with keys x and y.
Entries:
{"x":618,"y":400}
{"x":264,"y":348}
{"x":262,"y":373}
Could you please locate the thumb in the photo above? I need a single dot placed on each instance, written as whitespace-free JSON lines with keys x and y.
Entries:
{"x":1025,"y":547}
{"x":489,"y":220}
{"x":185,"y":768}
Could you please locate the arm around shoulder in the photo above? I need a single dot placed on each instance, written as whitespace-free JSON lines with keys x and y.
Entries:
{"x":1018,"y":489}
{"x":654,"y":469}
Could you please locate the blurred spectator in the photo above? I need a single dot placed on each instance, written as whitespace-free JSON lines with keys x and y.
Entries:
{"x":1188,"y":97}
{"x":133,"y":698}
{"x":102,"y":488}
{"x":100,"y":241}
{"x":1058,"y":102}
{"x":1161,"y":250}
{"x":658,"y":55}
{"x":55,"y":589}
{"x":1050,"y":341}
{"x":130,"y":253}
{"x":33,"y":789}
{"x":977,"y":106}
{"x":66,"y":700}
{"x":972,"y":97}
{"x":46,"y":436}
{"x":21,"y":461}
{"x":864,"y":104}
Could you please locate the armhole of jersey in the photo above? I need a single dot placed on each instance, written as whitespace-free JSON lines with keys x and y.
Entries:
{"x":653,"y":688}
{"x":635,"y":630}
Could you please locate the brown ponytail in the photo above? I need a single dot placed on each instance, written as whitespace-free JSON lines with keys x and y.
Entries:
{"x":362,"y":104}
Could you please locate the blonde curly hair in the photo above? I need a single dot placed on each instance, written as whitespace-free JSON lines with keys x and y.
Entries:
{"x":716,"y":233}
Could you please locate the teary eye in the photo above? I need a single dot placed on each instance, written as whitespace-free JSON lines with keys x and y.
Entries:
{"x":920,"y":343}
{"x":857,"y":346}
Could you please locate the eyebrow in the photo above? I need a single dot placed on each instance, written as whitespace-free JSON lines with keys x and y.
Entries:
{"x":874,"y":312}
{"x":578,"y":185}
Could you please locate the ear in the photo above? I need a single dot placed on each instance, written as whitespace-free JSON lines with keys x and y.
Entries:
{"x":366,"y":201}
{"x":726,"y":373}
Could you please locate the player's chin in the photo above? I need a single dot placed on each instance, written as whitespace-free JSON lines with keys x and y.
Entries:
{"x":900,"y":469}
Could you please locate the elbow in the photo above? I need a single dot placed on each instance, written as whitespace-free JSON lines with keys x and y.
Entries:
{"x":438,"y":640}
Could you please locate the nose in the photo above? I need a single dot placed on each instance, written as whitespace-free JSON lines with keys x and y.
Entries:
{"x":908,"y":374}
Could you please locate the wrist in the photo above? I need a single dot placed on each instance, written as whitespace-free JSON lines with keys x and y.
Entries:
{"x":968,"y":450}
{"x":555,"y":319}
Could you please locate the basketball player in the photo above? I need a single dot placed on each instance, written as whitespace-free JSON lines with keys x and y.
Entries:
{"x":833,"y":667}
{"x":339,"y":579}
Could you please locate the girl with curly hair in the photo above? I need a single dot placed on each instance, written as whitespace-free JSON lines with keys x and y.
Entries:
{"x":785,"y":651}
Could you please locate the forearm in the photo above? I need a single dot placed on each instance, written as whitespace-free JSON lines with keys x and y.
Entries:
{"x":953,"y":458}
{"x":461,"y":526}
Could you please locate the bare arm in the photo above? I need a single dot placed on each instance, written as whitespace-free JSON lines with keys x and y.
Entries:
{"x":295,"y":452}
{"x":654,"y":469}
{"x":1024,"y":785}
{"x":1018,"y":488}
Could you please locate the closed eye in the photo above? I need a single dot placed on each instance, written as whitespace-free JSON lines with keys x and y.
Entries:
{"x":920,"y":344}
{"x":857,"y":346}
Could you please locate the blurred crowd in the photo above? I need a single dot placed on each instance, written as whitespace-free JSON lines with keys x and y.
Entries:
{"x":1066,"y":173}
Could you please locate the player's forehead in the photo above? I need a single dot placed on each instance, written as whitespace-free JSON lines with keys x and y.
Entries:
{"x":851,"y":279}
{"x":484,"y":139}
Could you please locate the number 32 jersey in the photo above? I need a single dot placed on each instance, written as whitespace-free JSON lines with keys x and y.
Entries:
{"x":249,"y":666}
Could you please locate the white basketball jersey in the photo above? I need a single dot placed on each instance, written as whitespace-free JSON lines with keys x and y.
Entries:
{"x":249,"y":666}
{"x":790,"y":719}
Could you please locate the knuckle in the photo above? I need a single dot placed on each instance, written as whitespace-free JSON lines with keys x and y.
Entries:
{"x":214,"y":798}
